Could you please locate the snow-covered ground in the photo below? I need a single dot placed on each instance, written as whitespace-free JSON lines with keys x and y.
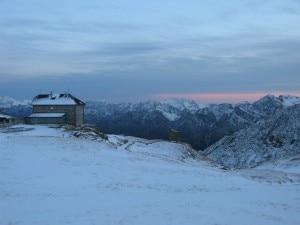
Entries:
{"x":49,"y":177}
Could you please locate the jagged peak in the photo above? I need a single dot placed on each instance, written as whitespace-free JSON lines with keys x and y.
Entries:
{"x":182,"y":104}
{"x":267,"y":100}
{"x":283,"y":100}
{"x":289,"y":100}
{"x":267,"y":97}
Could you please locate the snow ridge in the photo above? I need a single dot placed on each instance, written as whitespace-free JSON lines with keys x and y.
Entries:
{"x":270,"y":138}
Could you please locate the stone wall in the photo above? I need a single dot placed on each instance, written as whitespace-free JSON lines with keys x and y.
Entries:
{"x":79,"y":115}
{"x":71,"y":112}
{"x":52,"y":120}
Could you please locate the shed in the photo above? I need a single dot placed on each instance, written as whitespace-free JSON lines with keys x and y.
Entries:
{"x":5,"y":119}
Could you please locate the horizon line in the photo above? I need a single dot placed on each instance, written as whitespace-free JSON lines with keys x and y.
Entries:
{"x":205,"y":98}
{"x":210,"y":98}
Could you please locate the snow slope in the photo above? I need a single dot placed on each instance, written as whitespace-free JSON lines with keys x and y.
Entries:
{"x":49,"y":177}
{"x":290,"y":164}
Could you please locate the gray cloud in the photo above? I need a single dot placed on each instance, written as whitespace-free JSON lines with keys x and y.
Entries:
{"x":129,"y":48}
{"x":111,"y":48}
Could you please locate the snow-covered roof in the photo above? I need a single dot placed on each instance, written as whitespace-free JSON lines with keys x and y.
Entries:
{"x":46,"y":115}
{"x":3,"y":115}
{"x":56,"y":99}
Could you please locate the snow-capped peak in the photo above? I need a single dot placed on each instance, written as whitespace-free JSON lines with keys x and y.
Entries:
{"x":7,"y":102}
{"x":289,"y":100}
{"x":184,"y":104}
{"x":173,"y":108}
{"x":281,"y":100}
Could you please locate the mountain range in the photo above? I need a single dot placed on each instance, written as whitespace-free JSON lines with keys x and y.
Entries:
{"x":200,"y":125}
{"x":235,"y":135}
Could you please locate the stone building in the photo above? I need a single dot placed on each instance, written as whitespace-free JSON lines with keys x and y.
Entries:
{"x":57,"y":109}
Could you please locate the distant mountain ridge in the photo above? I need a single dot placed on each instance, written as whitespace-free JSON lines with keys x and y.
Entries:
{"x":15,"y":107}
{"x":6,"y":102}
{"x":201,"y":125}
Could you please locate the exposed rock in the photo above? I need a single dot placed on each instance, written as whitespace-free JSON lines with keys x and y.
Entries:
{"x":90,"y":132}
{"x":271,"y":138}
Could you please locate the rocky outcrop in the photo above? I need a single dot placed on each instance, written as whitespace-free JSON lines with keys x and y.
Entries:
{"x":270,"y":138}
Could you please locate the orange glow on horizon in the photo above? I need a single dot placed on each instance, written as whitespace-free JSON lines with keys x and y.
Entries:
{"x":220,"y":97}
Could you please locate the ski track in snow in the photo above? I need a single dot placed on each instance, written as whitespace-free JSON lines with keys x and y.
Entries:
{"x":48,"y":177}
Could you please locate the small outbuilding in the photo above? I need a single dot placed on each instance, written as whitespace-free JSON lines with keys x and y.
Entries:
{"x":57,"y":109}
{"x":10,"y":120}
{"x":174,"y":135}
{"x":6,"y":119}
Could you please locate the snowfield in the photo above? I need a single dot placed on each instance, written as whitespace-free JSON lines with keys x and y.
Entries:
{"x":47,"y":176}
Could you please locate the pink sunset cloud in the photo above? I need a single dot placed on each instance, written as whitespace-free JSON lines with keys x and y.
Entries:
{"x":220,"y":97}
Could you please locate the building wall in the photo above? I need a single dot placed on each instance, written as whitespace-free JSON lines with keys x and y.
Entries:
{"x":4,"y":121}
{"x":57,"y":120}
{"x":79,"y":115}
{"x":74,"y":113}
{"x":12,"y":121}
{"x":19,"y":120}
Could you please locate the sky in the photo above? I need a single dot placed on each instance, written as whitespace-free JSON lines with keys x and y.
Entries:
{"x":135,"y":50}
